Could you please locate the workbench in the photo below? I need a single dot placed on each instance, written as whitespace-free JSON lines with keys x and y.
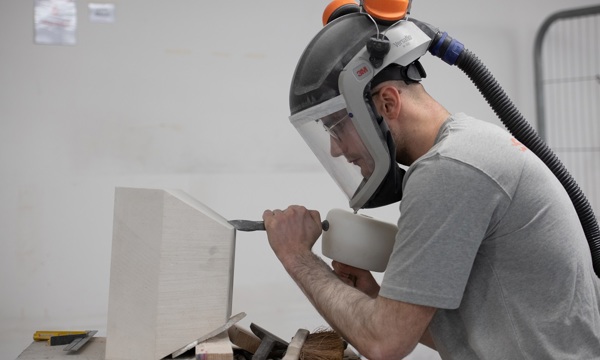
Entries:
{"x":93,"y":350}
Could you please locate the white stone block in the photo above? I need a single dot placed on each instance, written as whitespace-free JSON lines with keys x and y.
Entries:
{"x":171,"y":275}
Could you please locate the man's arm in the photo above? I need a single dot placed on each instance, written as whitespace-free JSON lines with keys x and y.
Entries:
{"x":427,"y":340}
{"x":364,"y":281}
{"x":379,"y":328}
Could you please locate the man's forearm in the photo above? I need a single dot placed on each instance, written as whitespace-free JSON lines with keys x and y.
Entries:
{"x":379,"y":328}
{"x":329,"y":295}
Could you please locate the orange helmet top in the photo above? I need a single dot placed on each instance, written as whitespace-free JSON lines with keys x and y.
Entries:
{"x":387,"y":10}
{"x":384,"y":10}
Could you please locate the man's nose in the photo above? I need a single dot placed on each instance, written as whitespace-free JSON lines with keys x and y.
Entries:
{"x":335,"y":147}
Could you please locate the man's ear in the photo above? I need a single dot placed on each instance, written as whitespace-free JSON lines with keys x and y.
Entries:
{"x":389,"y":102}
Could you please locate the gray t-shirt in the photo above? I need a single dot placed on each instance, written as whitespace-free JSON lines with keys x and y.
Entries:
{"x":488,"y":235}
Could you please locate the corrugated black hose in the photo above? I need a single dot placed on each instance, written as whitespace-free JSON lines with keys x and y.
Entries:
{"x":454,"y":53}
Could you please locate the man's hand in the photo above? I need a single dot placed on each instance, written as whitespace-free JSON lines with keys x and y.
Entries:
{"x":361,"y":279}
{"x":292,"y":231}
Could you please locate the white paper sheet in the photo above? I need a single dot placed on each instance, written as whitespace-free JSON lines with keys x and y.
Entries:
{"x":55,"y":22}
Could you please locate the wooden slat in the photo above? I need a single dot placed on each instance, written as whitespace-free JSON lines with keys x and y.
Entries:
{"x":216,"y":348}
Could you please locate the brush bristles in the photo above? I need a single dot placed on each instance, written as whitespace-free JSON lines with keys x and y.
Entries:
{"x":323,"y":344}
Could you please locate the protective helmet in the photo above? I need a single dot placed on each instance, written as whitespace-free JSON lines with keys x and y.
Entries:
{"x":331,"y":106}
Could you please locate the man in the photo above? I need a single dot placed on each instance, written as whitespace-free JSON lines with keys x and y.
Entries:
{"x":490,"y":260}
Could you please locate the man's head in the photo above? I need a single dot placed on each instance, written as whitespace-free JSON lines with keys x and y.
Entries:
{"x":333,"y":81}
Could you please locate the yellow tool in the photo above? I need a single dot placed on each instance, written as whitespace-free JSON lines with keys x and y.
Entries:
{"x":43,"y":335}
{"x":75,"y":339}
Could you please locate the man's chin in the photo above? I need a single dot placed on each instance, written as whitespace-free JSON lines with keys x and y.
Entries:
{"x":366,"y":173}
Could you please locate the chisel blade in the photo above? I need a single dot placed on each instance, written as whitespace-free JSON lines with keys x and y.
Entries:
{"x":248,"y":225}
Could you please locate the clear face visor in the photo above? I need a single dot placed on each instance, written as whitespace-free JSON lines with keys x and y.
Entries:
{"x":329,"y":130}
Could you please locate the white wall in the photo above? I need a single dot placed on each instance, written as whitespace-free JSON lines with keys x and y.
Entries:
{"x":191,"y":95}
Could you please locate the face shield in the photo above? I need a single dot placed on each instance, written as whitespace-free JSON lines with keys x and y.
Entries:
{"x":328,"y":129}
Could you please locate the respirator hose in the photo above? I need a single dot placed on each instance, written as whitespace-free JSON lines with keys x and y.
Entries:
{"x":522,"y":130}
{"x":454,"y":53}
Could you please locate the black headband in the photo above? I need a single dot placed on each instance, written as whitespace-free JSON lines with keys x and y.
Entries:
{"x":412,"y":73}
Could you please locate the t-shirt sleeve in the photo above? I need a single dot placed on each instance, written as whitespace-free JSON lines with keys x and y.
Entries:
{"x":447,"y":210}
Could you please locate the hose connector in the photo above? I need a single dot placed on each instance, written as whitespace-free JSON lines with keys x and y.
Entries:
{"x":446,"y":48}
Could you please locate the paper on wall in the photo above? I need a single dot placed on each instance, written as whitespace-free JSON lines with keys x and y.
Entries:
{"x":55,"y":22}
{"x":102,"y":13}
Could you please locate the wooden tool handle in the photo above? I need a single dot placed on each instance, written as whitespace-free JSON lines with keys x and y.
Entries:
{"x":295,"y":348}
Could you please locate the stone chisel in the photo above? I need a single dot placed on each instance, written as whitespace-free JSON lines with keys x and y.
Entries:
{"x":249,"y":225}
